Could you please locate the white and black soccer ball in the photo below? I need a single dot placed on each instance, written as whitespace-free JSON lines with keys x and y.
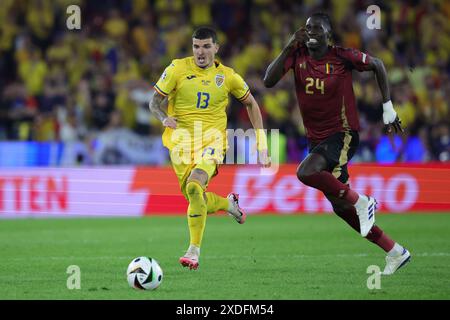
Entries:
{"x":144,"y":273}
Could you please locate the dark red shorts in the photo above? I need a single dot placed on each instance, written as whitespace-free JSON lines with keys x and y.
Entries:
{"x":337,"y":149}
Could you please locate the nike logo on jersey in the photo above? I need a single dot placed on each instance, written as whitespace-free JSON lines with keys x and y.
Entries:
{"x":191,"y":77}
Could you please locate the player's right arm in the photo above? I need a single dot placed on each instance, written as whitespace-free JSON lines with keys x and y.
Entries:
{"x":156,"y":106}
{"x":280,"y":65}
{"x":166,"y":84}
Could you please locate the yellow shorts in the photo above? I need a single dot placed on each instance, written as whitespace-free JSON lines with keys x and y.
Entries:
{"x":208,"y":160}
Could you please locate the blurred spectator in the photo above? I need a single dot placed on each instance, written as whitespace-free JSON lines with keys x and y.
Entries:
{"x":389,"y":149}
{"x":440,"y":142}
{"x":78,"y":86}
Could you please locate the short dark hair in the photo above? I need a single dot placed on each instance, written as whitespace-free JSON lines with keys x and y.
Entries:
{"x":205,"y":33}
{"x":325,"y":19}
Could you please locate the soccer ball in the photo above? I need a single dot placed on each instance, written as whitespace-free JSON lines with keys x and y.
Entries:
{"x":144,"y":273}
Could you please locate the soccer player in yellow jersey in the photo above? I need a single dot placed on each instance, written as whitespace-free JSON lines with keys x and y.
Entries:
{"x":197,"y":89}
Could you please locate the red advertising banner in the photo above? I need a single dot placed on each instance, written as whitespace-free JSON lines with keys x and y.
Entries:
{"x":34,"y":192}
{"x":397,"y":188}
{"x":135,"y":191}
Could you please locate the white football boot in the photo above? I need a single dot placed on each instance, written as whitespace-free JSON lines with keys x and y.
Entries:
{"x":365,"y":208}
{"x":235,"y":211}
{"x":191,"y":257}
{"x":395,"y":263}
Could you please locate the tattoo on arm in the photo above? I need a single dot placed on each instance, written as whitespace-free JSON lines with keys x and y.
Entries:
{"x":157,"y":101}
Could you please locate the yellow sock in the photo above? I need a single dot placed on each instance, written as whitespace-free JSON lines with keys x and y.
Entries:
{"x":196,"y":213}
{"x":215,"y":202}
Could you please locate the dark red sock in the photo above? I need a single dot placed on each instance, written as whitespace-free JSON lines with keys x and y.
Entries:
{"x":375,"y":235}
{"x":328,"y":184}
{"x":381,"y":239}
{"x":349,"y":215}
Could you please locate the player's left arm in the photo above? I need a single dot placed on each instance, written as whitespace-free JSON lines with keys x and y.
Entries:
{"x":254,"y":113}
{"x":240,"y":90}
{"x":390,"y":117}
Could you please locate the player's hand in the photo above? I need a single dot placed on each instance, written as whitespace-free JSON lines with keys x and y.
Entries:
{"x":397,"y":125}
{"x":170,"y":122}
{"x":298,"y":38}
{"x":263,"y":158}
{"x":390,"y":118}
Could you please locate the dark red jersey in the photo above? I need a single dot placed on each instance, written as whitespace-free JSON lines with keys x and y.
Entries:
{"x":325,"y":90}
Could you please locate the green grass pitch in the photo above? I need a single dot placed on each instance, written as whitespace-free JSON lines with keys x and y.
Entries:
{"x":269,"y":257}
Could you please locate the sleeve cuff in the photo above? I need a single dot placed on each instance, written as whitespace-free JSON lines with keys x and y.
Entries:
{"x":247,"y":93}
{"x":157,"y":89}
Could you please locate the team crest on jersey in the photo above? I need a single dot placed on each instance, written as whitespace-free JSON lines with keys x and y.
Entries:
{"x":219,"y":80}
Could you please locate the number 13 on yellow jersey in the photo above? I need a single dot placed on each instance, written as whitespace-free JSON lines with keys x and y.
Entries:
{"x":202,"y":100}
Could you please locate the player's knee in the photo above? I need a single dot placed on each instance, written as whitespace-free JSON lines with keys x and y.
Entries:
{"x":194,"y":189}
{"x":300,"y":173}
{"x":303,"y":174}
{"x":313,"y":164}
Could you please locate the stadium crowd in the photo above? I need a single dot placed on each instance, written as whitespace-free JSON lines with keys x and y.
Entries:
{"x":74,"y":85}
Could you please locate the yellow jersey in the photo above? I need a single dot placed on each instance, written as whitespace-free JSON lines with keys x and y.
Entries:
{"x":198,"y":99}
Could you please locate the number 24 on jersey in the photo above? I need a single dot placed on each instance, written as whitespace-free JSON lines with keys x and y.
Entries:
{"x":319,"y":85}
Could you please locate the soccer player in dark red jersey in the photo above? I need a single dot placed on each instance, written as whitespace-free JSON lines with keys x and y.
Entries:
{"x":323,"y":81}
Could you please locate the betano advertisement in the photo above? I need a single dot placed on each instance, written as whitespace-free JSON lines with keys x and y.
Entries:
{"x":136,"y":191}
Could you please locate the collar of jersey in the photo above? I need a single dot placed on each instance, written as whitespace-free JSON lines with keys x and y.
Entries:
{"x":324,"y":57}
